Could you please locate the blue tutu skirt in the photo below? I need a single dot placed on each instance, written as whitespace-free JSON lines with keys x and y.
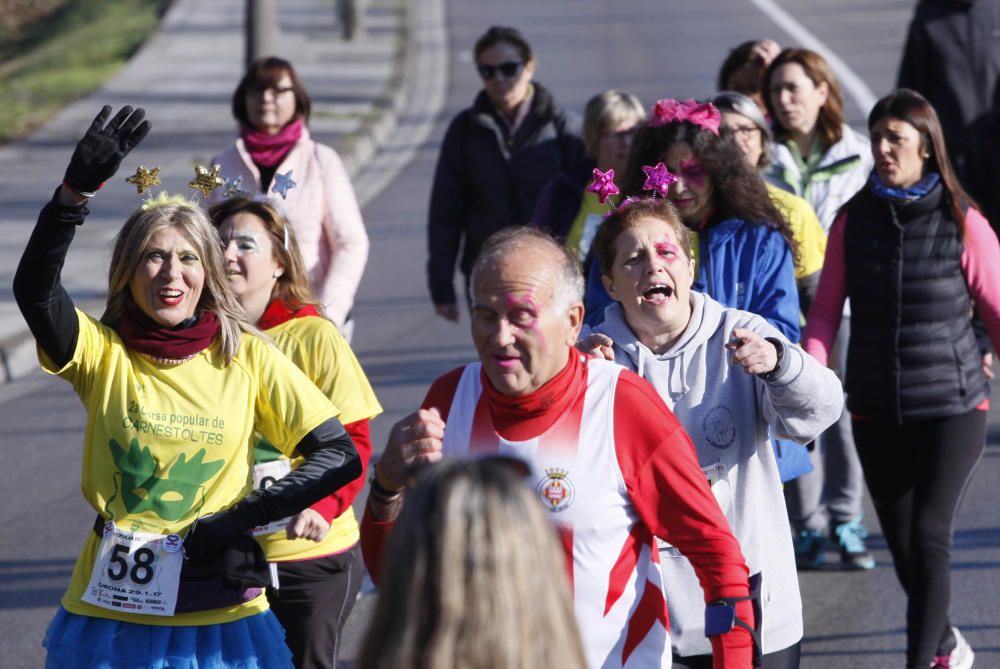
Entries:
{"x":255,"y":642}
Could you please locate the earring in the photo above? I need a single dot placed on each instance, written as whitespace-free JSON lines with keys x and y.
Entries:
{"x":277,"y":273}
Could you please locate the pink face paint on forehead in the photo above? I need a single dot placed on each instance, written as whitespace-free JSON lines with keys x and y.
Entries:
{"x":692,"y":171}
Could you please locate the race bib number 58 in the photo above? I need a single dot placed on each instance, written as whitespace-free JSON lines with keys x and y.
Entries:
{"x":136,"y":572}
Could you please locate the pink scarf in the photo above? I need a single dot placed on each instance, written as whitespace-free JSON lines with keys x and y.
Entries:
{"x":269,"y":150}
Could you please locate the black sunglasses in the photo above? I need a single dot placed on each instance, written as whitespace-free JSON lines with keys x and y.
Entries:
{"x":508,"y":69}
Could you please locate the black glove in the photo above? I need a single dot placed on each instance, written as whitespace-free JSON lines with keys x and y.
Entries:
{"x":221,"y":542}
{"x":100,"y":152}
{"x":208,"y":535}
{"x":244,"y":565}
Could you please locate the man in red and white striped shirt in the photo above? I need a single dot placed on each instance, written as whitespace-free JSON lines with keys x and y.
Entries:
{"x":607,"y":459}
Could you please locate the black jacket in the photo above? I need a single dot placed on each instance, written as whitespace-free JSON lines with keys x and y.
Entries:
{"x":952,"y":58}
{"x":487,"y":180}
{"x":912,"y":353}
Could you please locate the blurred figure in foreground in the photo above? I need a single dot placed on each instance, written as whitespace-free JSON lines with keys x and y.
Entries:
{"x":474,"y":576}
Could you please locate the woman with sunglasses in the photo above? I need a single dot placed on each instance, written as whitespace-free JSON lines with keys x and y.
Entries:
{"x":272,"y":108}
{"x":496,"y":158}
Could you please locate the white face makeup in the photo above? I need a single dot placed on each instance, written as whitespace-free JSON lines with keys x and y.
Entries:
{"x":251,"y":266}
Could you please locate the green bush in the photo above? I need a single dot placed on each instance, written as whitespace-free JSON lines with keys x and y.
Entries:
{"x":65,"y":54}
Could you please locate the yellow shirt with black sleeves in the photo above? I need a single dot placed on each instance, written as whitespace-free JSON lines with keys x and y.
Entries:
{"x":317,"y":348}
{"x":165,"y":444}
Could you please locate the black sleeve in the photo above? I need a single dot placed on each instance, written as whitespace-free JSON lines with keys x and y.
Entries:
{"x":807,"y":291}
{"x":38,"y":289}
{"x":447,"y":213}
{"x":331,"y":462}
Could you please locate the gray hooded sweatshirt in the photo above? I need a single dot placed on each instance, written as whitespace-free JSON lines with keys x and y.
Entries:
{"x":728,"y":413}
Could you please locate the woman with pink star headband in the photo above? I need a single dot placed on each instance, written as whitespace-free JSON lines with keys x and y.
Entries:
{"x":745,"y":248}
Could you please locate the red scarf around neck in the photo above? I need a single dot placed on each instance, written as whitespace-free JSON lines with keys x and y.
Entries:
{"x":141,"y":333}
{"x":269,"y":150}
{"x":278,"y":312}
{"x":527,"y":416}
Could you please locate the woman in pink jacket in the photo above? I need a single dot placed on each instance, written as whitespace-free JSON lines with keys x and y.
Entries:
{"x":273,"y":149}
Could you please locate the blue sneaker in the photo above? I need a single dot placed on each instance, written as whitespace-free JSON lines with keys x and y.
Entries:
{"x":854,"y":553}
{"x":810,"y":548}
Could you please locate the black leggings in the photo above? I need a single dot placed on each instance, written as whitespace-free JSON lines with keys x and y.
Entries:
{"x":312,"y":602}
{"x":917,"y":475}
{"x":787,"y":658}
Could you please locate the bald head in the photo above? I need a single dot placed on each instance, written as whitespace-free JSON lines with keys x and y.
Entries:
{"x":531,"y":249}
{"x":526,"y":309}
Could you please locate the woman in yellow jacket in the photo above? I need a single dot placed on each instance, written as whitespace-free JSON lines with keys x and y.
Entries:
{"x":315,"y":553}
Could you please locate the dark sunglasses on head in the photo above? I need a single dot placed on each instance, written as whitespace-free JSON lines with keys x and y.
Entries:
{"x":508,"y":69}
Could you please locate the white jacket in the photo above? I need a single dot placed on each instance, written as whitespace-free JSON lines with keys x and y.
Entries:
{"x":842,"y":172}
{"x":728,"y":413}
{"x":322,"y":210}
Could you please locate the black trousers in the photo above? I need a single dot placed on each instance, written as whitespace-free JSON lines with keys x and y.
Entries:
{"x":312,"y":602}
{"x":917,"y":475}
{"x":786,"y":658}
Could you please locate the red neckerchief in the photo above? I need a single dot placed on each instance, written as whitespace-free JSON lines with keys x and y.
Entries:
{"x":143,"y":334}
{"x":269,"y":150}
{"x":526,"y":416}
{"x":278,"y":312}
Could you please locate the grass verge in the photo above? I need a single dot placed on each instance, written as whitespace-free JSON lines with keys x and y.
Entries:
{"x":64,"y":55}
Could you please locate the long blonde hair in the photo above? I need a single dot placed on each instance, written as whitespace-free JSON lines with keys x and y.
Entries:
{"x":473,"y":577}
{"x":292,"y":287}
{"x":130,"y":247}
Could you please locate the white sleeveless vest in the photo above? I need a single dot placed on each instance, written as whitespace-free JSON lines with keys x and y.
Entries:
{"x":617,"y":586}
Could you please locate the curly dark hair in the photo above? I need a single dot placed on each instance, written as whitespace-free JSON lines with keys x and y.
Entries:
{"x":739,"y":191}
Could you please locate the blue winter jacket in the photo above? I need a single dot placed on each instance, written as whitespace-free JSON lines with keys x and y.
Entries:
{"x":741,"y":265}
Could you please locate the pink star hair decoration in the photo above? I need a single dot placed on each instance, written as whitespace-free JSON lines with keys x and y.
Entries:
{"x":658,"y":179}
{"x":603,"y":185}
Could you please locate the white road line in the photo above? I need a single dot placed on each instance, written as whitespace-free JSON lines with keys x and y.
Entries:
{"x":848,"y":78}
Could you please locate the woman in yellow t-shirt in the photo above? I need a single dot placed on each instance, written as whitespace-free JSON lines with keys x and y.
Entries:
{"x":318,"y":562}
{"x":174,"y":381}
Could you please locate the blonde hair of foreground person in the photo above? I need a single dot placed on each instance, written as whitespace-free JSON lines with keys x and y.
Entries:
{"x":473,"y":577}
{"x":130,"y":246}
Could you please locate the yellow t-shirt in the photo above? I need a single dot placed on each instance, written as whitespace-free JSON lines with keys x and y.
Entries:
{"x":316,"y":347}
{"x":165,"y":444}
{"x":806,"y":230}
{"x":584,"y":227}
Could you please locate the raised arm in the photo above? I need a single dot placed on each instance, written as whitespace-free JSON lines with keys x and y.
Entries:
{"x":38,"y":289}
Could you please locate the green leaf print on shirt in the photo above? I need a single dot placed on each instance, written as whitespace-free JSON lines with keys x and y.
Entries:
{"x":169,"y":497}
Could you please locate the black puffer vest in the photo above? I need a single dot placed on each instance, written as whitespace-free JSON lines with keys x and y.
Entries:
{"x":912,"y":355}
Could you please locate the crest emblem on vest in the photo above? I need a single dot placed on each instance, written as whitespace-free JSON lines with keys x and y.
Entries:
{"x":556,"y":490}
{"x":719,"y":426}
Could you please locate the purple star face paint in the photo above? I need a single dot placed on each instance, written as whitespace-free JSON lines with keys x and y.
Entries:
{"x":651,"y":277}
{"x":693,"y":192}
{"x":692,"y":171}
{"x":668,"y":250}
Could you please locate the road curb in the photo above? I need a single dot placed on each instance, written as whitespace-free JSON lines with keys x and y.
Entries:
{"x":18,"y":357}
